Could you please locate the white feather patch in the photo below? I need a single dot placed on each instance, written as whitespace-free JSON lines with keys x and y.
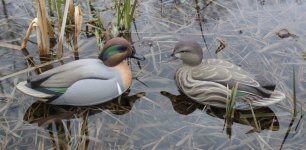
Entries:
{"x":119,"y":88}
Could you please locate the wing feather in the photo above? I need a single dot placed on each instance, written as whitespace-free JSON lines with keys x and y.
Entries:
{"x":224,"y":73}
{"x":66,"y":75}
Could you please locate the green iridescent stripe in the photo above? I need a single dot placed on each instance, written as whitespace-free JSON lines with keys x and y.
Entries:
{"x":112,"y":51}
{"x":59,"y":90}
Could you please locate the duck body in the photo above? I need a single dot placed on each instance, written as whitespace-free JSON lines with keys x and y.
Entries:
{"x":81,"y":82}
{"x":209,"y":81}
{"x":84,"y":82}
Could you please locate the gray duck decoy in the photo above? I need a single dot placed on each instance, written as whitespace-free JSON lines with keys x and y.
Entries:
{"x":210,"y":81}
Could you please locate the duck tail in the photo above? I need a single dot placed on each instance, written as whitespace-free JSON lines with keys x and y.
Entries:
{"x":24,"y":88}
{"x":269,"y":87}
{"x":275,"y":97}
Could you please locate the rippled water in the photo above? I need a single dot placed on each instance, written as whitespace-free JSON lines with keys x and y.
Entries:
{"x":266,"y":38}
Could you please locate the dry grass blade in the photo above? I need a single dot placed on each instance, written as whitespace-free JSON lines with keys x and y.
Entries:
{"x":32,"y":68}
{"x":183,"y":140}
{"x":59,"y":50}
{"x":42,"y":33}
{"x":153,"y":58}
{"x":49,"y":119}
{"x":287,"y":132}
{"x":10,"y":131}
{"x":78,"y":17}
{"x":28,"y":33}
{"x":6,"y":106}
{"x":71,"y":10}
{"x":254,"y":118}
{"x":294,"y":95}
{"x":8,"y":45}
{"x":166,"y":135}
{"x":264,"y":144}
{"x":133,"y":9}
{"x":41,"y":144}
{"x":23,"y":48}
{"x":83,"y":140}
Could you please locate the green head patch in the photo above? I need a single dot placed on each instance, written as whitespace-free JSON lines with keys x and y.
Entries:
{"x":112,"y":50}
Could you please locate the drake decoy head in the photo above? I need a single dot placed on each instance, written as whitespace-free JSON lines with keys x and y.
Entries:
{"x":116,"y":50}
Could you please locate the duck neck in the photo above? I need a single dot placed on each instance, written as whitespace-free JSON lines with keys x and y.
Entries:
{"x":204,"y":61}
{"x":126,"y":73}
{"x":191,"y":64}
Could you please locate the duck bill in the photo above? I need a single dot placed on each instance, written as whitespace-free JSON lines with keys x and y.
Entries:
{"x":176,"y":55}
{"x":172,"y":57}
{"x":138,"y":56}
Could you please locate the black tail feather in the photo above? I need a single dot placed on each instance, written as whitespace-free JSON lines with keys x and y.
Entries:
{"x":35,"y":81}
{"x":269,"y":87}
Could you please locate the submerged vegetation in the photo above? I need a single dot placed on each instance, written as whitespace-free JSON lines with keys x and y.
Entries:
{"x":47,"y":33}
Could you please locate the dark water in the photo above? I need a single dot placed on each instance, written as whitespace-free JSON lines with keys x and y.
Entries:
{"x":266,"y":38}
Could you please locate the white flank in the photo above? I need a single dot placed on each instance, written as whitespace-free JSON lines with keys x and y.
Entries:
{"x":118,"y":88}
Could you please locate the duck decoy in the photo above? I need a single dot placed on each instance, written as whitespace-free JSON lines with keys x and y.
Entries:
{"x":86,"y":81}
{"x":209,"y":81}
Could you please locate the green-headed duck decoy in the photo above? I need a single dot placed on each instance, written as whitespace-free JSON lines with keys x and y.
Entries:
{"x":86,"y":81}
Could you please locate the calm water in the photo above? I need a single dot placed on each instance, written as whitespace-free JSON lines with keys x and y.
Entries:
{"x":266,"y":38}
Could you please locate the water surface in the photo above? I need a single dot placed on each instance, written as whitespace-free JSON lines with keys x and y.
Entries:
{"x":159,"y":117}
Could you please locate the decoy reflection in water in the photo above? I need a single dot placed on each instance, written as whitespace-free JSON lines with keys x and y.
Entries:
{"x":265,"y":117}
{"x":65,"y":133}
{"x":86,"y":82}
{"x":209,"y":81}
{"x":44,"y":113}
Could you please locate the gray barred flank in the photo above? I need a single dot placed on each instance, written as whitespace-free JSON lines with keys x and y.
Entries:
{"x":210,"y":84}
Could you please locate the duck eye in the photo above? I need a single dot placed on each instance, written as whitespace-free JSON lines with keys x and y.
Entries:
{"x":184,"y":51}
{"x":121,"y":48}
